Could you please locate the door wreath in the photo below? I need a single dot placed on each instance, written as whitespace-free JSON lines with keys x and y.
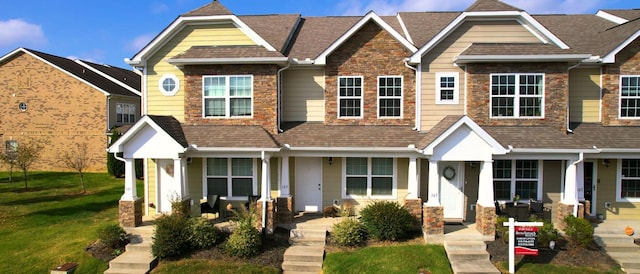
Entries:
{"x":449,"y":173}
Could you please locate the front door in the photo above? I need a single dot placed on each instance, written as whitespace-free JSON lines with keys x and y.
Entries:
{"x":308,"y":184}
{"x":589,"y":186}
{"x":452,"y":190}
{"x":168,"y":189}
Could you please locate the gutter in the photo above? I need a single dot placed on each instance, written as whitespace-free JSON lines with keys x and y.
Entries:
{"x":520,"y":58}
{"x":279,"y":100}
{"x":207,"y":61}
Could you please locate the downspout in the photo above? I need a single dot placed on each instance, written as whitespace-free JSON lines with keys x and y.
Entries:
{"x":575,"y":206}
{"x":279,"y":102}
{"x":418,"y":92}
{"x":568,"y":118}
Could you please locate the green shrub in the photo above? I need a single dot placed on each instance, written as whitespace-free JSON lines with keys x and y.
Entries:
{"x":385,"y":220}
{"x":578,"y":230}
{"x":245,"y":241}
{"x":172,"y":236}
{"x":203,"y":234}
{"x":349,"y":232}
{"x":546,"y":233}
{"x":112,"y":235}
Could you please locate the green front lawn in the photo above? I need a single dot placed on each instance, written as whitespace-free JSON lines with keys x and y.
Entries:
{"x":53,"y":222}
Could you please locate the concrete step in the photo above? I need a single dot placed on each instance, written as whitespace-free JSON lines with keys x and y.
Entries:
{"x":139,"y":247}
{"x":468,"y":255}
{"x":134,"y":260}
{"x":126,"y":271}
{"x":631,"y":271}
{"x":307,"y":241}
{"x":300,"y":272}
{"x":622,"y":247}
{"x":304,"y":253}
{"x":465,"y":245}
{"x":308,"y":233}
{"x":626,"y":259}
{"x":473,"y":266}
{"x":314,"y":267}
{"x":601,"y":239}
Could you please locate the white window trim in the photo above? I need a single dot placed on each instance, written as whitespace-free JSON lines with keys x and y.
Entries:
{"x":516,"y":96}
{"x":629,"y":97}
{"x":619,"y":197}
{"x":361,"y":98}
{"x":205,"y":176}
{"x":227,"y":98}
{"x":169,"y":92}
{"x":135,"y":116}
{"x":456,"y":88}
{"x":513,"y":179}
{"x":401,"y":97}
{"x":394,"y":180}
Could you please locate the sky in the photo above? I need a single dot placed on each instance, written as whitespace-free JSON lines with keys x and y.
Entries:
{"x":107,"y":32}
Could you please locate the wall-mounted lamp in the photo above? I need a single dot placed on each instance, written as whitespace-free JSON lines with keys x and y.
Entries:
{"x":330,"y":160}
{"x":473,"y":165}
{"x":189,"y":160}
{"x":606,"y":162}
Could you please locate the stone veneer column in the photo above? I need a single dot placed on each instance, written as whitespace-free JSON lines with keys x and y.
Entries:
{"x":433,"y":224}
{"x":486,"y":219}
{"x":269,"y":227}
{"x":414,"y":206}
{"x":563,"y":211}
{"x":130,"y":213}
{"x":284,"y":211}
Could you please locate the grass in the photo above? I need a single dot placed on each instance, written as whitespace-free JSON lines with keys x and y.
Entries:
{"x":199,"y":266}
{"x":389,"y":259}
{"x":53,"y":222}
{"x":531,"y":268}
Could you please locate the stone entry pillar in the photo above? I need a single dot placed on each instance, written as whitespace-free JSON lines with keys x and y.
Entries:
{"x":284,"y":211}
{"x":433,"y":224}
{"x":270,"y":213}
{"x":486,"y":219}
{"x":130,"y":213}
{"x":414,"y":206}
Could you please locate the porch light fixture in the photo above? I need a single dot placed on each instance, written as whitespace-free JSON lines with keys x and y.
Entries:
{"x":606,"y":162}
{"x":330,"y":160}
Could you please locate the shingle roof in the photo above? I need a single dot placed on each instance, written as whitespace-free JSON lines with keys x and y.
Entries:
{"x":172,"y":127}
{"x":125,"y":76}
{"x":213,"y":8}
{"x":205,"y":52}
{"x":423,"y":26}
{"x":587,"y":40}
{"x":88,"y":75}
{"x":491,"y":5}
{"x":514,"y":49}
{"x":626,"y":14}
{"x":316,"y":134}
{"x":438,"y":130}
{"x":316,"y":34}
{"x":276,"y":29}
{"x":229,"y":136}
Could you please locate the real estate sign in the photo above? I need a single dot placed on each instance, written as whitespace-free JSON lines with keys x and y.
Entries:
{"x":526,"y":240}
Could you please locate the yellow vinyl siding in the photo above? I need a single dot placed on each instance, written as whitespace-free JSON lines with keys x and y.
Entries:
{"x":551,"y":184}
{"x":151,"y":180}
{"x":189,"y":36}
{"x":584,"y":95}
{"x":606,"y":192}
{"x":440,"y":59}
{"x":303,"y":95}
{"x":194,"y":180}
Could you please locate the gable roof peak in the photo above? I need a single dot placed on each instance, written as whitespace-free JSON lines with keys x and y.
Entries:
{"x":213,"y":8}
{"x":491,"y":5}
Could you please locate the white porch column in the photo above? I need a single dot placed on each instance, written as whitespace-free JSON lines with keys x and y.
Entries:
{"x":485,"y":187}
{"x":434,"y":184}
{"x":266,"y":180}
{"x":412,"y":186}
{"x":570,"y":185}
{"x":129,"y":180}
{"x":580,"y":180}
{"x":284,"y":177}
{"x":178,"y":178}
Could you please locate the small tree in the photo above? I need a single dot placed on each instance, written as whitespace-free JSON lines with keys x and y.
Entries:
{"x":26,"y":154}
{"x":78,"y":160}
{"x":9,"y":157}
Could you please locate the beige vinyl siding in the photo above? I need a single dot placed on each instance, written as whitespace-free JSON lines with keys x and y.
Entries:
{"x":440,"y":59}
{"x":606,"y":192}
{"x":584,"y":95}
{"x":151,"y":179}
{"x":189,"y":36}
{"x":194,"y":179}
{"x":551,"y":185}
{"x":303,"y":95}
{"x":471,"y":187}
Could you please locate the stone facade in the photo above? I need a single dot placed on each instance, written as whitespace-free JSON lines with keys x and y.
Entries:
{"x":270,"y":225}
{"x":565,"y":210}
{"x":556,"y":94}
{"x":265,"y":95}
{"x":284,"y":211}
{"x":627,"y":63}
{"x":130,"y":213}
{"x":415,"y":209}
{"x":486,"y":219}
{"x":62,"y":112}
{"x":370,"y":52}
{"x":433,"y":224}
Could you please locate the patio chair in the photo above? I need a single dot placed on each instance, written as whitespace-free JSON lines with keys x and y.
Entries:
{"x":212,"y":205}
{"x":537,"y":209}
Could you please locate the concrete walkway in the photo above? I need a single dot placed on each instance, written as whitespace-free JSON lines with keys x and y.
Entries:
{"x":611,"y":236}
{"x":138,"y":257}
{"x":466,"y":249}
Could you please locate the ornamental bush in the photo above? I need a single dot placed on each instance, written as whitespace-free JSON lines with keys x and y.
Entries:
{"x":546,"y":233}
{"x":349,"y":232}
{"x":112,"y":235}
{"x":578,"y":230}
{"x":203,"y":234}
{"x":172,"y":236}
{"x":245,"y":241}
{"x":385,"y":220}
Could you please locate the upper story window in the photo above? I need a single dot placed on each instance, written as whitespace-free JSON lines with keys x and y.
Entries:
{"x":350,"y":96}
{"x":516,"y":177}
{"x":447,"y":90}
{"x":390,"y":96}
{"x":517,"y":95}
{"x":629,"y":184}
{"x":369,"y":177}
{"x":228,"y":96}
{"x":630,"y":96}
{"x":125,"y":113}
{"x":169,"y":84}
{"x":231,"y":177}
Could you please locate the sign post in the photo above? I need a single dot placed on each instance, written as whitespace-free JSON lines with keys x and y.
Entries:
{"x":526,"y":235}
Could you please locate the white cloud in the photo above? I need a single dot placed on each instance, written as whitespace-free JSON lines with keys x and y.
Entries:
{"x":391,"y":7}
{"x":17,"y":32}
{"x":159,"y":8}
{"x":94,"y":56}
{"x":140,"y":42}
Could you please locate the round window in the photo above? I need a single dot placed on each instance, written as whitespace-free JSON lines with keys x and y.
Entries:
{"x":169,"y":84}
{"x":22,"y":106}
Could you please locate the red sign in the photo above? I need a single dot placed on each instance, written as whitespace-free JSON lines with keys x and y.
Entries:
{"x":526,"y":240}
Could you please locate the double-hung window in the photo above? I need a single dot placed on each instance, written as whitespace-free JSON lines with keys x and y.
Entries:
{"x":629,"y":186}
{"x":231,"y":177}
{"x":517,"y":177}
{"x":350,"y":96}
{"x":630,"y":96}
{"x":447,"y":90}
{"x":369,"y":177}
{"x":227,"y":96}
{"x":125,"y":113}
{"x":390,"y":96}
{"x":517,"y":95}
